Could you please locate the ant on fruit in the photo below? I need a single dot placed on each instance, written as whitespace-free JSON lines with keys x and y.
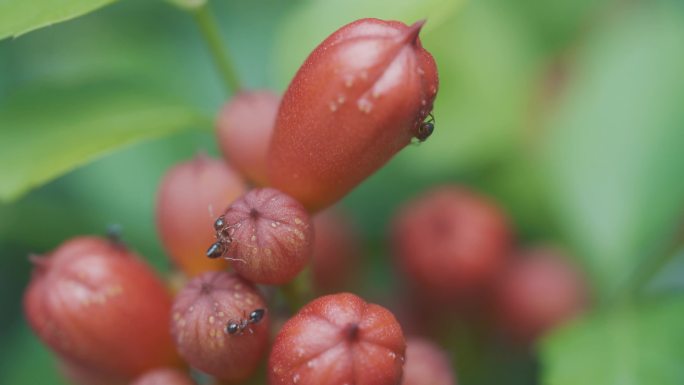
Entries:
{"x":223,"y":240}
{"x":426,"y":128}
{"x":238,"y":327}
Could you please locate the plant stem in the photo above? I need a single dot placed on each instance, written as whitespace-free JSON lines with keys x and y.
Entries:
{"x":295,"y":293}
{"x":210,"y":32}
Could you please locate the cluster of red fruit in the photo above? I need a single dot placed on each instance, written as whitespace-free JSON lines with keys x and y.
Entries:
{"x":362,"y":95}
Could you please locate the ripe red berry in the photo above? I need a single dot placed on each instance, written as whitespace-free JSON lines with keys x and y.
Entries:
{"x":266,"y":234}
{"x":540,"y":290}
{"x":451,"y":242}
{"x":164,"y":376}
{"x":80,"y":375}
{"x":98,"y":306}
{"x":214,"y":326}
{"x":244,"y":129}
{"x":338,"y":339}
{"x":359,"y":98}
{"x":336,"y":251}
{"x":426,"y":364}
{"x":191,"y":195}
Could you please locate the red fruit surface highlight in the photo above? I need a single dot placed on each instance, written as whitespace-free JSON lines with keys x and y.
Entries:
{"x":201,"y":313}
{"x":451,"y":242}
{"x":164,"y":376}
{"x":269,"y":236}
{"x":335,"y":340}
{"x":336,"y":251}
{"x":358,"y":99}
{"x":244,"y":129}
{"x":95,"y":304}
{"x":191,"y":195}
{"x":540,"y":290}
{"x":426,"y":364}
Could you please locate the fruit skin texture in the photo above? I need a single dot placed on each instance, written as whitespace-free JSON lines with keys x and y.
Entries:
{"x":200,"y":314}
{"x":244,"y":129}
{"x":336,"y":251}
{"x":358,"y":99}
{"x":190,"y":196}
{"x":338,"y":339}
{"x":164,"y":376}
{"x":540,"y":290}
{"x":451,"y":242}
{"x":272,"y":236}
{"x":95,"y":304}
{"x":426,"y":364}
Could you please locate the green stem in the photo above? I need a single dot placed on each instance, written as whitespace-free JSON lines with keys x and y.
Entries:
{"x":210,"y":32}
{"x":296,"y":292}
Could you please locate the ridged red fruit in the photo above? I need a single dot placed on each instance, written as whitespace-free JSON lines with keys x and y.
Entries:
{"x":191,"y":195}
{"x":244,"y":129}
{"x":202,"y":314}
{"x":451,"y":242}
{"x":426,"y":364}
{"x":267,"y":235}
{"x":540,"y":290}
{"x":98,"y":306}
{"x":359,"y":98}
{"x":164,"y":376}
{"x":335,"y":340}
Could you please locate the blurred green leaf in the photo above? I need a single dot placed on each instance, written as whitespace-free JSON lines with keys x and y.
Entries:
{"x":641,"y":345}
{"x":48,"y":132}
{"x":18,"y":17}
{"x":615,"y":156}
{"x":313,"y":21}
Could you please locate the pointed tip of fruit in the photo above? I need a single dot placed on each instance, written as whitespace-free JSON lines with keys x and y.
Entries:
{"x":411,"y":34}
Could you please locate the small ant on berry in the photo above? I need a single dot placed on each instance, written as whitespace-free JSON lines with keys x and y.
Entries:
{"x":223,"y":239}
{"x":237,"y":327}
{"x":426,"y":128}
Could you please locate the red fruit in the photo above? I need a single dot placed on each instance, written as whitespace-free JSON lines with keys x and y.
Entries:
{"x":244,"y":129}
{"x":336,"y":251}
{"x":203,"y":311}
{"x":426,"y":364}
{"x":79,"y":375}
{"x":98,"y":306}
{"x":360,"y":97}
{"x":267,"y":235}
{"x":164,"y":376}
{"x":189,"y":198}
{"x":451,"y":242}
{"x":539,"y":291}
{"x":335,"y":340}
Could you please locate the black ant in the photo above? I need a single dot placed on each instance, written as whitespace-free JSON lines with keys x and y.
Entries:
{"x":223,"y":239}
{"x":426,"y":128}
{"x":238,"y":327}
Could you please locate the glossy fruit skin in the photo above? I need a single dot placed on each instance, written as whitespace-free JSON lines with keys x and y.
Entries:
{"x":201,"y":312}
{"x":190,"y":197}
{"x":338,"y":339}
{"x":426,"y":364}
{"x":272,"y":236}
{"x":336,"y":251}
{"x":164,"y":376}
{"x":540,"y":290}
{"x":98,"y":306}
{"x":358,"y":99}
{"x":243,"y":130}
{"x":451,"y":242}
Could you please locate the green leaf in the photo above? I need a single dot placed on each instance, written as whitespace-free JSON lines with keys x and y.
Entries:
{"x":313,"y":21}
{"x":18,"y":17}
{"x":640,"y":345}
{"x":49,"y":132}
{"x":615,"y":158}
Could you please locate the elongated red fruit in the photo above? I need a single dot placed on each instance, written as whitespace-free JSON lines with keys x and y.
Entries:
{"x":426,"y":364}
{"x":244,"y":129}
{"x":336,"y":340}
{"x":359,"y":98}
{"x":191,"y":195}
{"x":95,"y":304}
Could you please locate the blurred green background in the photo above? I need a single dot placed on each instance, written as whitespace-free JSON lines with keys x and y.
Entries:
{"x":569,"y":112}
